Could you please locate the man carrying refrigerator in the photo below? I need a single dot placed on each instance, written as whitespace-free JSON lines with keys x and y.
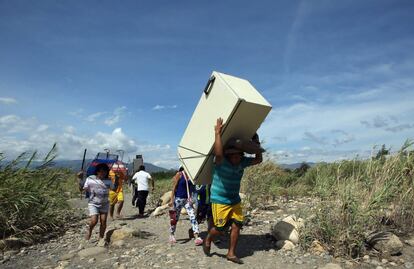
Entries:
{"x":229,"y":165}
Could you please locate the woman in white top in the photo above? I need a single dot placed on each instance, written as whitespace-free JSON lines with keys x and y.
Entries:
{"x":98,"y":186}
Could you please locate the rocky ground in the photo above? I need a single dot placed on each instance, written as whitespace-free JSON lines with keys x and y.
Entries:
{"x":140,"y":243}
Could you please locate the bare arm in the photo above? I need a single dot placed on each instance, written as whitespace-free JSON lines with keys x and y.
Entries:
{"x":258,"y":156}
{"x":218,"y":143}
{"x":152,"y":183}
{"x":175,"y":184}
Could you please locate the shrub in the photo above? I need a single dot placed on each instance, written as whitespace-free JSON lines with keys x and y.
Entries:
{"x":359,"y":197}
{"x":32,"y":201}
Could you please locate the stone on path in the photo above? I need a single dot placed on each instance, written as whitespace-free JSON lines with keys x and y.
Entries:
{"x":121,"y":234}
{"x":160,"y":210}
{"x":410,"y":241}
{"x":331,"y":266}
{"x":87,"y":252}
{"x":316,"y":247}
{"x":285,"y":245}
{"x":385,"y":242}
{"x":286,"y":230}
{"x":67,"y":256}
{"x":165,"y":198}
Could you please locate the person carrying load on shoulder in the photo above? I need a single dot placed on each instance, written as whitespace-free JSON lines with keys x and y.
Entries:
{"x":182,"y":197}
{"x":116,"y":196}
{"x":229,"y":165}
{"x":98,"y":185}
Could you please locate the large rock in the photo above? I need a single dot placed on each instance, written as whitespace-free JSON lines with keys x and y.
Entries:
{"x":88,"y":252}
{"x":285,"y":245}
{"x":316,"y":248}
{"x":160,"y":210}
{"x":385,"y":242}
{"x":165,"y":198}
{"x":121,"y":234}
{"x":286,"y":229}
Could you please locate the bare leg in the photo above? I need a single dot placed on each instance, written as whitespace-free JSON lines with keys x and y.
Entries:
{"x":211,"y":234}
{"x":92,"y":223}
{"x":234,"y":236}
{"x":111,"y":211}
{"x":118,"y":210}
{"x":102,"y":227}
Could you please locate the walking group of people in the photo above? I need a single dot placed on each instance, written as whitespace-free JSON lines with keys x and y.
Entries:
{"x":219,"y":202}
{"x":104,"y":191}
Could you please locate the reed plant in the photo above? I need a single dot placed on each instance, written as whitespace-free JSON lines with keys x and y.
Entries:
{"x":32,"y":199}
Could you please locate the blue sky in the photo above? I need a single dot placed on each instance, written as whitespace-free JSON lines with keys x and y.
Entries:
{"x":128,"y":75}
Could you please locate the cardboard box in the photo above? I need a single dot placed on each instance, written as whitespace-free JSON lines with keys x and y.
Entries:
{"x":242,"y":108}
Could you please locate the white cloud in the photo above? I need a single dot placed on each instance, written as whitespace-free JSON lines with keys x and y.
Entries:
{"x":161,"y":107}
{"x":32,"y":136}
{"x":116,"y":116}
{"x":76,"y":113}
{"x":14,"y":124}
{"x":42,"y":128}
{"x":7,"y":100}
{"x":94,"y":116}
{"x":345,"y":126}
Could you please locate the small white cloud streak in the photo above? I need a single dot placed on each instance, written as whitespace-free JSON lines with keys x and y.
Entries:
{"x":7,"y":100}
{"x":116,"y":116}
{"x":162,"y":107}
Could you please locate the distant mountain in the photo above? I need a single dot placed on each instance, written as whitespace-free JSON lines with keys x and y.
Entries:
{"x":75,"y":165}
{"x":292,"y":166}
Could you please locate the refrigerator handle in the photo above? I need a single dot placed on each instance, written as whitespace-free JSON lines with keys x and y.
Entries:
{"x":209,"y":85}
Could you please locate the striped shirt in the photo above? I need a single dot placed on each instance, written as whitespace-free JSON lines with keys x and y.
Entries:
{"x":225,"y":187}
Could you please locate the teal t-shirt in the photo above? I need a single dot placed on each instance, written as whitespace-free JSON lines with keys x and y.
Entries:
{"x":225,"y":187}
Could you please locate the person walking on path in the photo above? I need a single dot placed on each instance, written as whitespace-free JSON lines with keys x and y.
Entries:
{"x":182,"y":197}
{"x":98,"y":186}
{"x":229,"y":165}
{"x":141,"y":179}
{"x":116,"y":197}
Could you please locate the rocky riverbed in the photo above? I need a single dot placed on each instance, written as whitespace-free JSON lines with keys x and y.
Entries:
{"x":143,"y":242}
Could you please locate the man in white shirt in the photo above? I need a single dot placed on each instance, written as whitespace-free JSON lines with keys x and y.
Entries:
{"x":141,"y":179}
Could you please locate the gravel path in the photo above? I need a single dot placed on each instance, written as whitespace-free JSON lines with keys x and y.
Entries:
{"x":149,"y":247}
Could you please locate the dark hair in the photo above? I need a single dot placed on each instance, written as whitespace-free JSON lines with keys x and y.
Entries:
{"x":181,"y":169}
{"x":141,"y":168}
{"x":101,"y":167}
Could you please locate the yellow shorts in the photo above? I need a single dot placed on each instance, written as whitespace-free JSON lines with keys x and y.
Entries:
{"x":224,"y":215}
{"x":115,"y":197}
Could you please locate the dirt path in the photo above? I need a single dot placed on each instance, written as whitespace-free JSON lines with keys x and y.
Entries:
{"x":150,"y":248}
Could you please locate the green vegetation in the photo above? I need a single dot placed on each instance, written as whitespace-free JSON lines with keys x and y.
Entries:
{"x":163,"y":183}
{"x":32,"y":201}
{"x":357,"y":197}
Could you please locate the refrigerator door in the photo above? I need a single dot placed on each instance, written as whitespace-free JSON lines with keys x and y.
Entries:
{"x":243,"y":110}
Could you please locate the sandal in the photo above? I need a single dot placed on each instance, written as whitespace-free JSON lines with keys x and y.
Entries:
{"x":234,"y":259}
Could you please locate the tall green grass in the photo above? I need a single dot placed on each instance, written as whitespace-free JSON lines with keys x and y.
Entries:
{"x":32,"y":200}
{"x":359,"y":197}
{"x":266,"y":181}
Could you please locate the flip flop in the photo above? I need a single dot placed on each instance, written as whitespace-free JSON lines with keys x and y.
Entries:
{"x":234,"y":259}
{"x":206,"y":249}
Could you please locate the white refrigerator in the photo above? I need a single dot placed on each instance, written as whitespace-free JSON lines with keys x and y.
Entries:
{"x":243,"y":110}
